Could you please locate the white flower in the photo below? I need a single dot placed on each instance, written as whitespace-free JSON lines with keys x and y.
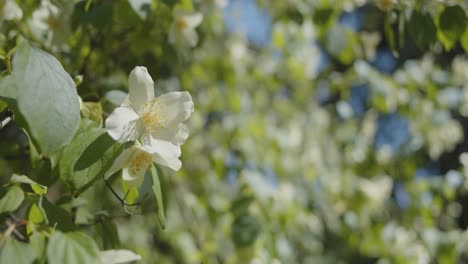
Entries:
{"x":10,"y":10}
{"x":182,"y":31}
{"x":137,"y":159}
{"x":155,"y":122}
{"x":51,"y":23}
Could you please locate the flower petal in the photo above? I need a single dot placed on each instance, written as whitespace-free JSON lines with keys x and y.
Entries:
{"x":120,"y":162}
{"x":174,"y":164}
{"x":163,"y":152}
{"x":172,"y":34}
{"x":178,"y":106}
{"x":11,"y":11}
{"x":138,"y":164}
{"x":191,"y":36}
{"x":123,"y":125}
{"x":132,"y":178}
{"x":193,"y":19}
{"x":175,"y":134}
{"x":141,"y":87}
{"x":164,"y":148}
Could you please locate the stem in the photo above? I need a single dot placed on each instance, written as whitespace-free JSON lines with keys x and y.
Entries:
{"x":122,"y":200}
{"x":8,"y":59}
{"x":6,"y":235}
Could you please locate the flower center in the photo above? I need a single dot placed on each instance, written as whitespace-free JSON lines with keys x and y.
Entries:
{"x":153,"y":116}
{"x":140,"y":161}
{"x":180,"y":24}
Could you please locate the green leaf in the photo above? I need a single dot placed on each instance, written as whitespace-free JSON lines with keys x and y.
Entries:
{"x":57,"y":217}
{"x":46,"y":97}
{"x":464,"y":40}
{"x":8,"y":92}
{"x":3,"y":105}
{"x":452,"y":24}
{"x":323,"y":16}
{"x":107,"y":230}
{"x":34,"y":155}
{"x":38,"y":244}
{"x":88,"y":156}
{"x":35,"y":215}
{"x":11,"y":199}
{"x":72,"y":248}
{"x":37,"y":188}
{"x":245,"y":230}
{"x":422,"y":29}
{"x":389,"y":33}
{"x":17,"y":252}
{"x":158,"y":194}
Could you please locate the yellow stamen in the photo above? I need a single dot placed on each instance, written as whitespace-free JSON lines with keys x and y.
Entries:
{"x":140,"y":161}
{"x":180,"y":24}
{"x":153,"y":116}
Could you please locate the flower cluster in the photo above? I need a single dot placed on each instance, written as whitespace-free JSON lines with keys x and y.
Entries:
{"x":153,"y":123}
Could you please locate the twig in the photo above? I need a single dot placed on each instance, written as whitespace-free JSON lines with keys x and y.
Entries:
{"x":122,"y":200}
{"x":6,"y":235}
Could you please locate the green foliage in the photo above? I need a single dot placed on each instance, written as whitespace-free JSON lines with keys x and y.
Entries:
{"x":39,"y":78}
{"x":452,"y":24}
{"x":423,"y":38}
{"x":88,"y":156}
{"x":159,"y":198}
{"x":17,"y":252}
{"x":338,"y":138}
{"x":74,"y":247}
{"x":11,"y":199}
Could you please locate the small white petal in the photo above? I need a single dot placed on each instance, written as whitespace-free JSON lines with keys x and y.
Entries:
{"x":175,"y":134}
{"x":174,"y":164}
{"x":193,"y":19}
{"x":118,"y":256}
{"x":191,"y":36}
{"x":123,"y":125}
{"x":138,"y":164}
{"x":178,"y":107}
{"x":141,"y":87}
{"x":129,"y":176}
{"x":163,"y":152}
{"x":120,"y":162}
{"x":172,"y":34}
{"x":163,"y":148}
{"x":11,"y":11}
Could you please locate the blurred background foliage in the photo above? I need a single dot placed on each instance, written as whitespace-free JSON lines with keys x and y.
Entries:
{"x":328,"y":131}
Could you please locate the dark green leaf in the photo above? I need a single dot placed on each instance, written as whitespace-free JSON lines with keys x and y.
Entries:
{"x":245,"y":230}
{"x":422,"y":29}
{"x":107,"y":231}
{"x":36,"y":187}
{"x":464,"y":40}
{"x":57,"y":217}
{"x":88,"y":156}
{"x":452,"y":24}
